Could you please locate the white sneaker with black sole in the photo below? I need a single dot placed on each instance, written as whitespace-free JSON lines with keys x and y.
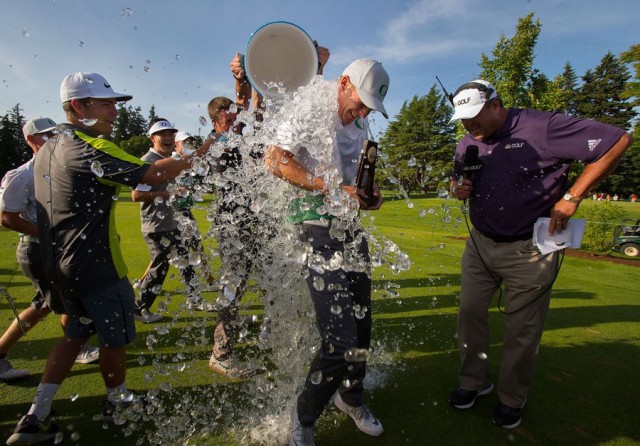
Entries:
{"x":146,"y":316}
{"x":88,"y":355}
{"x":300,"y":435}
{"x":364,"y":419}
{"x":8,"y":373}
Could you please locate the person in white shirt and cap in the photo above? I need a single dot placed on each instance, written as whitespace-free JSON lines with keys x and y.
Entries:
{"x":324,"y":169}
{"x":18,"y":213}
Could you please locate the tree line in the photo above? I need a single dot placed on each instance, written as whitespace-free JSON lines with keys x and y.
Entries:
{"x":416,"y":150}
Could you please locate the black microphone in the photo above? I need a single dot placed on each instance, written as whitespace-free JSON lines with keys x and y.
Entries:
{"x":470,"y":162}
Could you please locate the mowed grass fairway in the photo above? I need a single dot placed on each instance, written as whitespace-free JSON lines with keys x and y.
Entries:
{"x":585,"y":390}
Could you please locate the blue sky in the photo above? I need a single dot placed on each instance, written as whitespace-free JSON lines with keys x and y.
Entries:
{"x":186,"y":46}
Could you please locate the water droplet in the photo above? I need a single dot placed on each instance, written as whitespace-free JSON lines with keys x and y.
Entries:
{"x":75,"y":396}
{"x":203,"y":121}
{"x":156,"y":289}
{"x":89,"y":122}
{"x":25,"y":33}
{"x":81,"y":44}
{"x":482,"y":355}
{"x":85,"y":320}
{"x":316,"y":377}
{"x":229,"y":291}
{"x":195,"y":259}
{"x":318,"y":283}
{"x":357,"y":355}
{"x":336,"y":309}
{"x":178,"y":57}
{"x":126,"y":12}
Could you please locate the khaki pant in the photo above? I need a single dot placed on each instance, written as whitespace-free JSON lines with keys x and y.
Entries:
{"x":527,"y":277}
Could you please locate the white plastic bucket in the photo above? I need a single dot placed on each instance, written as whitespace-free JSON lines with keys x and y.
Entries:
{"x":280,"y":53}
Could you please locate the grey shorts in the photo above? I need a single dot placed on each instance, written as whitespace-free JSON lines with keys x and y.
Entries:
{"x":107,"y":312}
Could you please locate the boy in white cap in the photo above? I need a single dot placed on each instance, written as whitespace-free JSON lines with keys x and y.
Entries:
{"x":18,"y":213}
{"x":77,"y":174}
{"x":346,"y":291}
{"x":159,"y":227}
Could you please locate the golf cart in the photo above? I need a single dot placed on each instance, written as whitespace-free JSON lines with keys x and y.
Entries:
{"x":626,"y":237}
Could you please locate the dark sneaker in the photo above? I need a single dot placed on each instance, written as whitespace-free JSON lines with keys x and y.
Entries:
{"x":364,"y":419}
{"x":300,"y":435}
{"x":465,"y":399}
{"x":30,"y":430}
{"x":507,"y":417}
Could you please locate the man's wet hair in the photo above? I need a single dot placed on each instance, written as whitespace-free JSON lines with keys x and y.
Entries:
{"x":217,"y":105}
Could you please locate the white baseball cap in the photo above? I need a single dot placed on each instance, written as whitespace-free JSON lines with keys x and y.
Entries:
{"x":38,"y":125}
{"x":160,"y":126}
{"x":88,"y":85}
{"x":371,"y":81}
{"x":182,"y":135}
{"x":469,"y":99}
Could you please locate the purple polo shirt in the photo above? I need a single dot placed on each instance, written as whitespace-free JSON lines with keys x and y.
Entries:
{"x":525,"y":166}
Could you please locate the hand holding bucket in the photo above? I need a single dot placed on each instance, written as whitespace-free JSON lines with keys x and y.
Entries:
{"x":280,"y":55}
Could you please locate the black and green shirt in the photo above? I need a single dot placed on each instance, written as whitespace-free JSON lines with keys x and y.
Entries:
{"x":77,"y":180}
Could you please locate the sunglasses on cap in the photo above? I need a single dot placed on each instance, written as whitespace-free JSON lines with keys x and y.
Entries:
{"x":476,"y":86}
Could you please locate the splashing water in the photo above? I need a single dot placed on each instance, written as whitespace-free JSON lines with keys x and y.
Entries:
{"x":89,"y":122}
{"x":249,"y":221}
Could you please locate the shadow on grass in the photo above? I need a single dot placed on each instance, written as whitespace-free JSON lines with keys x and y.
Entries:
{"x":582,"y":391}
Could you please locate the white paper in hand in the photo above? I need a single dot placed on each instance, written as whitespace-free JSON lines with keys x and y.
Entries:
{"x":570,"y":237}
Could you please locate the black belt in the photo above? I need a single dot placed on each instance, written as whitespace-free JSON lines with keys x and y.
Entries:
{"x":506,"y":238}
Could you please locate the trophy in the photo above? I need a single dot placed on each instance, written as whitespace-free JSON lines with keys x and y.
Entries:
{"x":367,"y":168}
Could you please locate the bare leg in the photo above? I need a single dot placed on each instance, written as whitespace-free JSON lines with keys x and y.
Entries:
{"x":113,"y":365}
{"x":61,"y":359}
{"x":29,"y":317}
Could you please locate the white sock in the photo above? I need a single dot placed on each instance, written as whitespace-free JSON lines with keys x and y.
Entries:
{"x":43,"y":400}
{"x":117,"y":394}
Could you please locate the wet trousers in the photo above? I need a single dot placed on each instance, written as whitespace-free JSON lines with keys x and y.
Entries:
{"x":341,"y":327}
{"x":161,"y":246}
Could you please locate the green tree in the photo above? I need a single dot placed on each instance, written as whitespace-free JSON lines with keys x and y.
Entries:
{"x":129,"y":122}
{"x":136,"y":145}
{"x":14,"y":150}
{"x":601,"y":216}
{"x":510,"y":69}
{"x":601,"y":93}
{"x":152,"y":114}
{"x":632,"y":88}
{"x":562,"y":92}
{"x":419,"y":143}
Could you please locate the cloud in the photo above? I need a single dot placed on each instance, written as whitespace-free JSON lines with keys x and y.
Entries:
{"x":426,"y":29}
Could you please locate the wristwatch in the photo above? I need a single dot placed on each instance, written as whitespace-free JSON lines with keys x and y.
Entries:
{"x":571,"y":199}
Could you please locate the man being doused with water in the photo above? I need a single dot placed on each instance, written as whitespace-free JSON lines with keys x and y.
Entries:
{"x":316,"y":150}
